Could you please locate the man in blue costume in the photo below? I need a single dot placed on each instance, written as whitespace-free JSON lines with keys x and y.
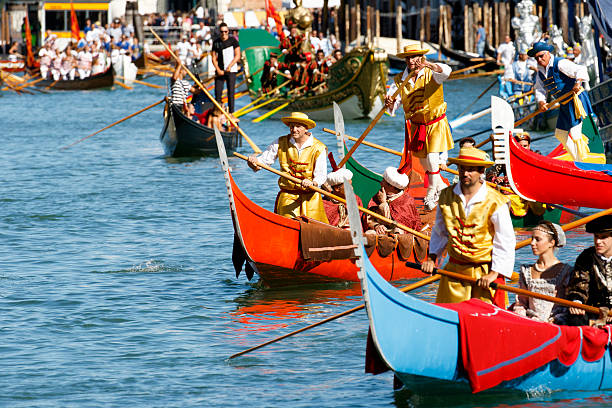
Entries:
{"x":558,"y":76}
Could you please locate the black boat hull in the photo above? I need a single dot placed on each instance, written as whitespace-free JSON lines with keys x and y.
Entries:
{"x":470,"y":59}
{"x":183,"y":137}
{"x":102,"y":80}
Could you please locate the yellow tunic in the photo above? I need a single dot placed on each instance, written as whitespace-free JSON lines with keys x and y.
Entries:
{"x":470,"y":244}
{"x":293,"y":201}
{"x":423,"y":102}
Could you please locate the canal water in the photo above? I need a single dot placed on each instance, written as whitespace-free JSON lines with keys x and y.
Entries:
{"x":116,"y":281}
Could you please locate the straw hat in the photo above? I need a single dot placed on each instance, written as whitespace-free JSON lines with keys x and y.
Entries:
{"x":412,"y":50}
{"x":395,"y":178}
{"x":299,"y":117}
{"x":520,"y":134}
{"x":470,"y":156}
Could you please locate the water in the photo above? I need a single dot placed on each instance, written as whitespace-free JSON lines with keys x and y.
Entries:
{"x":116,"y":283}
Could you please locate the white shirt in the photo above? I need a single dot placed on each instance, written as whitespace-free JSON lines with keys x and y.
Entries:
{"x":506,"y":53}
{"x":316,"y":43}
{"x":517,"y":70}
{"x":268,"y":157}
{"x":504,"y":241}
{"x":439,"y":77}
{"x":566,"y":66}
{"x":183,"y":48}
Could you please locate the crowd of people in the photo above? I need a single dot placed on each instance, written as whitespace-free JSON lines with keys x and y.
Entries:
{"x":90,"y":55}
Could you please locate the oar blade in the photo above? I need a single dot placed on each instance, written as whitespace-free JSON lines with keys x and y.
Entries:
{"x":221,"y":149}
{"x":355,"y":224}
{"x":339,"y":125}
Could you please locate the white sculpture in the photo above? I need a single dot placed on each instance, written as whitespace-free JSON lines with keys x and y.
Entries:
{"x":589,"y":57}
{"x":526,"y":25}
{"x":556,"y":40}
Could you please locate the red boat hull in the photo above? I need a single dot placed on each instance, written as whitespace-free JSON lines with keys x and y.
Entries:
{"x":272,"y":243}
{"x":547,"y":180}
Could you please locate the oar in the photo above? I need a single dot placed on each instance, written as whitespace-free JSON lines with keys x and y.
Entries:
{"x":263,"y":96}
{"x":335,"y":197}
{"x":373,"y":123}
{"x":551,"y":105}
{"x":408,"y":288}
{"x":477,"y":99}
{"x":518,"y":291}
{"x":496,"y":72}
{"x":227,"y":115}
{"x":468,"y":68}
{"x":115,"y":123}
{"x":270,"y":113}
{"x":121,"y":84}
{"x":252,"y":108}
{"x":136,"y":81}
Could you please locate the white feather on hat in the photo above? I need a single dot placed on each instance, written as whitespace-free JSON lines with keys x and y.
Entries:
{"x":339,"y":176}
{"x":395,"y":178}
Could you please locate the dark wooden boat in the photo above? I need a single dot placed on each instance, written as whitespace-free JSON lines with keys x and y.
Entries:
{"x":140,"y":61}
{"x":470,"y":58}
{"x":102,"y":80}
{"x":183,"y":137}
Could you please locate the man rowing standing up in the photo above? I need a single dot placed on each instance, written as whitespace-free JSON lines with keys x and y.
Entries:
{"x":427,"y":134}
{"x":394,"y":202}
{"x":558,"y":76}
{"x":591,"y":280}
{"x":303,"y":156}
{"x":335,"y":210}
{"x":473,"y":225}
{"x":269,"y":73}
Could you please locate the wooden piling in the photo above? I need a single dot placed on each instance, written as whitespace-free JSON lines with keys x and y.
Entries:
{"x":358,"y":23}
{"x":377,"y":23}
{"x":398,"y":27}
{"x":487,"y":22}
{"x":347,"y":26}
{"x":422,"y":22}
{"x":466,"y":28}
{"x":427,"y":21}
{"x":564,"y":20}
{"x":440,"y":30}
{"x":502,"y":23}
{"x":369,"y":25}
{"x":549,"y":7}
{"x":497,"y":39}
{"x":448,"y":25}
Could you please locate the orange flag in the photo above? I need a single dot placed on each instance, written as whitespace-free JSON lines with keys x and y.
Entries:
{"x":271,"y":12}
{"x":28,"y":38}
{"x":74,"y":24}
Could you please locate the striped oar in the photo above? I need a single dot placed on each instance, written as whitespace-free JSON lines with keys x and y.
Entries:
{"x":270,"y":113}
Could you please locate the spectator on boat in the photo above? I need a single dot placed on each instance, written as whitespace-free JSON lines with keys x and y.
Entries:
{"x":56,"y":65}
{"x":558,"y":76}
{"x":325,"y":44}
{"x":315,"y":42}
{"x":225,"y":57}
{"x":45,"y":54}
{"x":523,"y":138}
{"x":180,"y":87}
{"x":289,"y":46}
{"x":578,"y":57}
{"x":547,"y":276}
{"x":335,"y":210}
{"x":481,"y":38}
{"x":213,"y":117}
{"x":14,"y":54}
{"x":135,"y":49}
{"x":68,"y":68}
{"x":303,"y":156}
{"x":115,"y":31}
{"x":337,"y":56}
{"x":474,"y":227}
{"x":84,"y":62}
{"x":591,"y":280}
{"x":505,"y":52}
{"x":393,"y":201}
{"x":427,"y":132}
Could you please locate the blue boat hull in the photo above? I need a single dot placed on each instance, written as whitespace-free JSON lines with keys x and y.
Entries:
{"x":420,"y":342}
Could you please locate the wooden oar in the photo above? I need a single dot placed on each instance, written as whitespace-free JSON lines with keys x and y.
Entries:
{"x":467,"y":68}
{"x":518,"y":291}
{"x":136,"y":81}
{"x":552,"y":105}
{"x":52,"y":85}
{"x":263,"y":96}
{"x":115,"y":123}
{"x":335,"y":197}
{"x":479,"y":74}
{"x":271,"y":112}
{"x":121,"y":84}
{"x":408,"y":288}
{"x":227,"y":115}
{"x":252,"y":108}
{"x":373,"y":123}
{"x":28,"y":84}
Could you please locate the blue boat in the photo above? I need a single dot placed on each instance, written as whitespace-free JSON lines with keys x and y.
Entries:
{"x":421,"y":342}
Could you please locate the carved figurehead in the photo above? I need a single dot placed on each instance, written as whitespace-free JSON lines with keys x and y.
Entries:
{"x":526,"y":25}
{"x":301,"y":18}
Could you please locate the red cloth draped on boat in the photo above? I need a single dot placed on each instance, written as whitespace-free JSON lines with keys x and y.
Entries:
{"x":498,"y":345}
{"x":403,"y":210}
{"x":332,"y":210}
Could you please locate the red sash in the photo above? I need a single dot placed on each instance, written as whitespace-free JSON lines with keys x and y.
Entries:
{"x":414,"y":143}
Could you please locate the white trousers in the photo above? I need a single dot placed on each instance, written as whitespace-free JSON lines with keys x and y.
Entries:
{"x":431,"y":163}
{"x":567,"y":139}
{"x":84,"y":73}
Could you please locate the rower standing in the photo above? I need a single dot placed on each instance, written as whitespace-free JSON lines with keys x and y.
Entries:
{"x":427,"y":133}
{"x":473,"y":225}
{"x":558,"y":76}
{"x":225,"y":57}
{"x":269,"y":73}
{"x":303,"y":156}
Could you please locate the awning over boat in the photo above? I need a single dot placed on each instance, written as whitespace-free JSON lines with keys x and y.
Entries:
{"x":100,"y":5}
{"x":603,"y":21}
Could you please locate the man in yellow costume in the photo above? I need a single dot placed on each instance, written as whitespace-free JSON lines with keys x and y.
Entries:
{"x":303,"y":156}
{"x":428,"y":134}
{"x":473,"y":225}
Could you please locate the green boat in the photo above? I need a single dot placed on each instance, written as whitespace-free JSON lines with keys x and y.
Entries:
{"x":356,"y":82}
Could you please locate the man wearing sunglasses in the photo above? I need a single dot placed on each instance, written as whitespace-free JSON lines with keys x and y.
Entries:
{"x":558,"y":76}
{"x":225,"y":57}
